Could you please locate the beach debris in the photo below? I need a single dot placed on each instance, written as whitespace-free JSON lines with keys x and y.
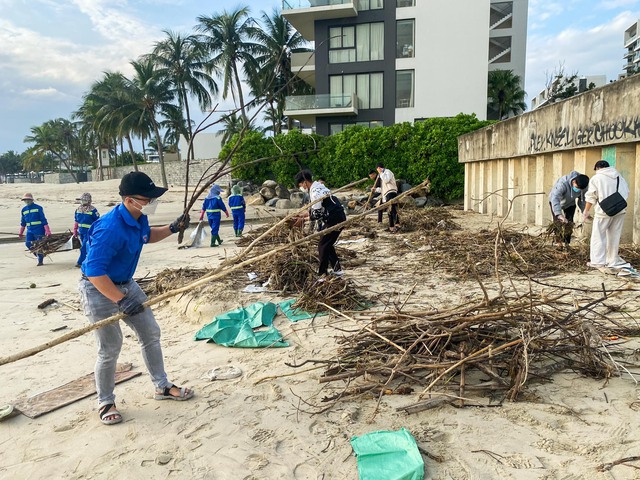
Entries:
{"x":57,"y":329}
{"x":428,"y":219}
{"x":496,"y":346}
{"x":225,"y":372}
{"x":46,"y":303}
{"x":50,"y":244}
{"x":169,"y":279}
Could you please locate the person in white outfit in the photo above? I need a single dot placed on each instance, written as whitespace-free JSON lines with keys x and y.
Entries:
{"x":606,"y":231}
{"x":388,"y":190}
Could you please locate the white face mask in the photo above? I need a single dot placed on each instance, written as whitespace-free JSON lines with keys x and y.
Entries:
{"x":304,"y":190}
{"x":149,"y":208}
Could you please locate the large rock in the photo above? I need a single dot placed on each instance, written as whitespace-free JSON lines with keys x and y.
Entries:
{"x":297,"y":199}
{"x":284,"y":204}
{"x":434,"y":202}
{"x":268,"y":193}
{"x":255,"y":199}
{"x":270,"y":184}
{"x":421,"y":202}
{"x":272,"y":202}
{"x":246,"y":190}
{"x":404,"y":187}
{"x":282,"y":192}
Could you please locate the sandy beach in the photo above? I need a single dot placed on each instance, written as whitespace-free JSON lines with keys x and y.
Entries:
{"x":259,"y":425}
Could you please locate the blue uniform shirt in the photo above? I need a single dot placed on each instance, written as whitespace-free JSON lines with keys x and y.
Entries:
{"x":33,"y":218}
{"x":85,"y":220}
{"x":213,"y":206}
{"x":237,"y":203}
{"x":114,"y":245}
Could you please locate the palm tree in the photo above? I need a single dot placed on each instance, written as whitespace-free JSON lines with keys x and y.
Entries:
{"x":505,"y":95}
{"x":149,"y":96}
{"x":232,"y":124}
{"x":181,"y":60}
{"x":273,"y":78}
{"x":53,"y":137}
{"x":225,"y":37}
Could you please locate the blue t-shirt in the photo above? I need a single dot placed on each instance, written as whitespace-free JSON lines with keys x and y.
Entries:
{"x":33,"y":218}
{"x":213,"y":206}
{"x":237,"y":203}
{"x":114,"y":245}
{"x":86,"y":219}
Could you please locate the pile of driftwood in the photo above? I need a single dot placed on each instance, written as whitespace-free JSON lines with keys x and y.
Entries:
{"x":427,"y":220}
{"x":495,"y":347}
{"x":336,"y":292}
{"x":170,"y":279}
{"x":50,"y":244}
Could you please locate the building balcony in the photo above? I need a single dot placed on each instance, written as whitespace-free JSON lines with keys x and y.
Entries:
{"x":307,"y":107}
{"x":628,"y":41}
{"x":303,"y":65}
{"x":303,"y":14}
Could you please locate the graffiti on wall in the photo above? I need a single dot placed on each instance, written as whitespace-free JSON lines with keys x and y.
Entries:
{"x":581,"y":137}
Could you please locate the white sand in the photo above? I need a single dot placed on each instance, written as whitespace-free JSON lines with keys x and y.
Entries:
{"x":241,"y":429}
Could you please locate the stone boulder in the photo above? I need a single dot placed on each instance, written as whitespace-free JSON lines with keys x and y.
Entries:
{"x":247,"y":190}
{"x":282,"y":192}
{"x":268,"y":193}
{"x":421,"y":202}
{"x":284,"y":204}
{"x":297,"y":199}
{"x":270,"y":184}
{"x":404,"y":187}
{"x":272,"y":202}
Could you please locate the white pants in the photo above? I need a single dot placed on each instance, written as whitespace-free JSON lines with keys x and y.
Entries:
{"x":605,"y":241}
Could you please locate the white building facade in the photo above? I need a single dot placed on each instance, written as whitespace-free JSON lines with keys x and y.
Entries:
{"x":632,"y":50}
{"x":380,"y":62}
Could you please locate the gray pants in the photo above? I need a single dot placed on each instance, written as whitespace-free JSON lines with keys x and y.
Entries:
{"x":98,"y":307}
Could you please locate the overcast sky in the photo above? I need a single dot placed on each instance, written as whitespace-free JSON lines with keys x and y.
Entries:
{"x":52,"y":50}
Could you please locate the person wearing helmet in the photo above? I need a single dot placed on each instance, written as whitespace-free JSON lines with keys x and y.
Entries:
{"x":85,"y":215}
{"x":33,"y":220}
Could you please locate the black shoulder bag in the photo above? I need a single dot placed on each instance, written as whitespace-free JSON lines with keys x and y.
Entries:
{"x":614,"y":203}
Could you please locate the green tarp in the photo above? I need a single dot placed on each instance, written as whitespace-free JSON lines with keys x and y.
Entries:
{"x":387,"y":455}
{"x":236,"y":328}
{"x":295,"y":314}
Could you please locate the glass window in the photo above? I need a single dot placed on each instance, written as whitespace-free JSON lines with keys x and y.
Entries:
{"x":370,"y":5}
{"x":368,"y":87}
{"x":405,"y":3}
{"x":404,"y":88}
{"x":341,"y":127}
{"x":362,"y":43}
{"x":404,"y":38}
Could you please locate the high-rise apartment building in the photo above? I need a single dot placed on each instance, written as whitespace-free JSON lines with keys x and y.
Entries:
{"x":632,"y":49}
{"x":380,"y":62}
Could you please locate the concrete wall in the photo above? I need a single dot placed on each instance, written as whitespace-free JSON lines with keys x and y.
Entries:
{"x":176,"y":172}
{"x":521,"y":158}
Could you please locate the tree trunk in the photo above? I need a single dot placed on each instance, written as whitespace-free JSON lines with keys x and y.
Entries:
{"x":163,"y":173}
{"x":73,"y":175}
{"x":133,"y":154}
{"x":240,"y":96}
{"x":144,"y":148}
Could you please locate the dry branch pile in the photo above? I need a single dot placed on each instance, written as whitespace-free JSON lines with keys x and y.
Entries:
{"x":427,"y":220}
{"x":169,"y":279}
{"x":495,"y":348}
{"x":50,"y":244}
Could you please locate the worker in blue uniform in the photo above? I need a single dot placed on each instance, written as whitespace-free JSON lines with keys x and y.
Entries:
{"x":213,"y":206}
{"x":238,"y":208}
{"x":85,"y":215}
{"x":107,"y":287}
{"x":33,"y":220}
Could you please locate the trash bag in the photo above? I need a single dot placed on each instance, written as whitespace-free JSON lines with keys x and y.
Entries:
{"x":198,"y":236}
{"x":388,"y":455}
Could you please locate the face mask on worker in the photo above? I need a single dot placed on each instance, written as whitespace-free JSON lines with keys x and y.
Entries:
{"x":28,"y":202}
{"x":304,"y":189}
{"x":149,"y":208}
{"x":575,"y":189}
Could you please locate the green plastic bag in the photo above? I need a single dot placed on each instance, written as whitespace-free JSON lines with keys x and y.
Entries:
{"x":388,"y":455}
{"x":236,"y":328}
{"x":295,"y":314}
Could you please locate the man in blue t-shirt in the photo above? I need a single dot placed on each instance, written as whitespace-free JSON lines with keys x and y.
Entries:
{"x":114,"y":245}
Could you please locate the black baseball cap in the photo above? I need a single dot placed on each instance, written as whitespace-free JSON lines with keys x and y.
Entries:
{"x":138,"y":183}
{"x":601,"y":164}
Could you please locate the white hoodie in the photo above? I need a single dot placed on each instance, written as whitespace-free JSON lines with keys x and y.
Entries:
{"x":603,"y":184}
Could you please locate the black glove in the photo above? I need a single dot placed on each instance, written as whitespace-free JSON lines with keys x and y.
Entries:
{"x":130,"y":306}
{"x":181,"y":222}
